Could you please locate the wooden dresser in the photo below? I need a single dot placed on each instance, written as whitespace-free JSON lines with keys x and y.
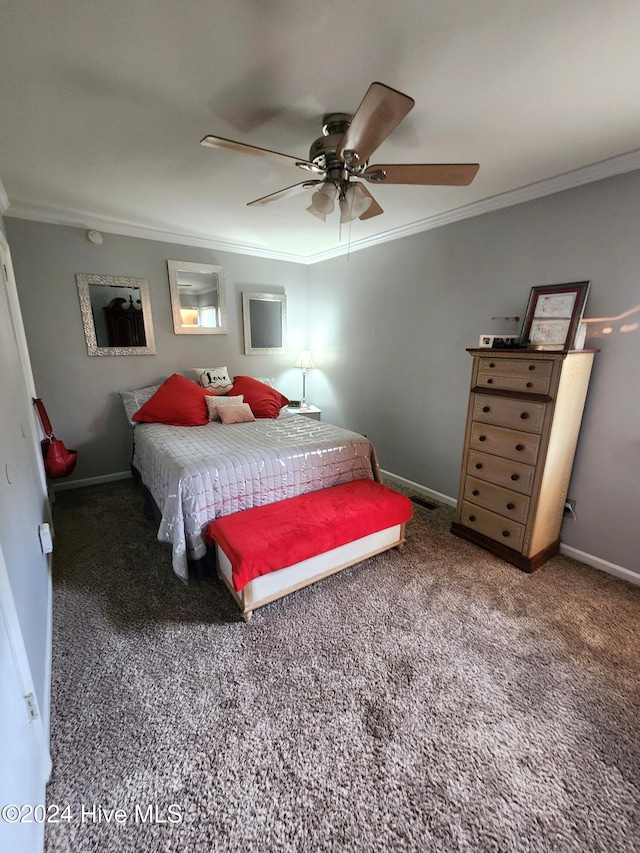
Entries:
{"x":522,"y":429}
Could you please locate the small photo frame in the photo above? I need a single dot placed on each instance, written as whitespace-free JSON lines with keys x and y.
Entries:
{"x":553,"y":315}
{"x":499,"y":341}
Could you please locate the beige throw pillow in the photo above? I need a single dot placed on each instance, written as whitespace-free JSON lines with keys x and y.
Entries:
{"x":215,"y":403}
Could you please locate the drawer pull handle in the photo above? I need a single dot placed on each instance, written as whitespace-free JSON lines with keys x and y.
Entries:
{"x":486,"y":408}
{"x":492,"y":364}
{"x":482,"y":438}
{"x":529,"y":384}
{"x":511,"y":506}
{"x":478,"y":465}
{"x":532,"y":367}
{"x":475,"y":493}
{"x":489,"y":381}
{"x":524,"y":416}
{"x":505,"y":533}
{"x":472,"y":518}
{"x":515,"y":477}
{"x":519,"y":446}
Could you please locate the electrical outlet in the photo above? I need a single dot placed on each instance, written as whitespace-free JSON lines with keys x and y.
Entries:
{"x":570,"y":509}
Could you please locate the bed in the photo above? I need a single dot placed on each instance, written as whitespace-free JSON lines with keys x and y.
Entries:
{"x":196,"y":474}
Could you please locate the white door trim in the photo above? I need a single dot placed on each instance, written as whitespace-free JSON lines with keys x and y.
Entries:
{"x":38,"y":725}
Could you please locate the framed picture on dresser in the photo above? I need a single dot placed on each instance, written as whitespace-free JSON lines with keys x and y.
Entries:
{"x":553,"y":315}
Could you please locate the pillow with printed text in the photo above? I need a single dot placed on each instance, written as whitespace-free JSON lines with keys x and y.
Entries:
{"x":214,"y":379}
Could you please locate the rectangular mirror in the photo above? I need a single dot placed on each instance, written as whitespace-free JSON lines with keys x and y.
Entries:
{"x":116,"y":315}
{"x":198,"y":298}
{"x":265,"y":323}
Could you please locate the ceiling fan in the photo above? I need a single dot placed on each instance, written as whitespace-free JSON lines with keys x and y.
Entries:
{"x":341,"y":155}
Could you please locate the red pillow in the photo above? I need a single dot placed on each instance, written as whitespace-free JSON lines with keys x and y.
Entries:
{"x":178,"y":402}
{"x":265,"y":402}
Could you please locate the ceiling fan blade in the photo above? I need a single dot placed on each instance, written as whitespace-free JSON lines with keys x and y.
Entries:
{"x":242,"y":148}
{"x":374,"y":208}
{"x":423,"y":174}
{"x":381,"y":111}
{"x":288,"y":192}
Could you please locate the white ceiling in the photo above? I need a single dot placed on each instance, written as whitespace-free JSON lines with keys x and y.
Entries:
{"x":103,"y":105}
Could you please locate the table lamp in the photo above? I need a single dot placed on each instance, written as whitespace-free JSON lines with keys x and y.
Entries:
{"x":305,"y":362}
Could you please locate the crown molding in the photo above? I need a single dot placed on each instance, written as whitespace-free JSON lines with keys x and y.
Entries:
{"x":569,"y":180}
{"x":587,"y":174}
{"x":129,"y":229}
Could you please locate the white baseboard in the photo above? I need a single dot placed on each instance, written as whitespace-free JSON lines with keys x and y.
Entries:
{"x":91,"y":481}
{"x":422,"y":490}
{"x":574,"y":553}
{"x":602,"y":565}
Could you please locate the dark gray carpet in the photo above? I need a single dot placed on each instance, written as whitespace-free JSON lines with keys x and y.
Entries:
{"x":436,"y":699}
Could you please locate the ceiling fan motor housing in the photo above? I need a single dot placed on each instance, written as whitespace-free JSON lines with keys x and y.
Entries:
{"x":323,"y":150}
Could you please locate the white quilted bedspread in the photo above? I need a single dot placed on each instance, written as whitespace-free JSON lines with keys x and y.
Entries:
{"x":197,"y":474}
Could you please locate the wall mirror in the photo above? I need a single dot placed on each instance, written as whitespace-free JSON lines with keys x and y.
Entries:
{"x":116,"y":315}
{"x":265,"y":323}
{"x":198,"y":298}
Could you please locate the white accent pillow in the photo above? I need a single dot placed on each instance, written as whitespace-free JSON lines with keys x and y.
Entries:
{"x":215,"y":403}
{"x":215,"y":379}
{"x":135,"y":400}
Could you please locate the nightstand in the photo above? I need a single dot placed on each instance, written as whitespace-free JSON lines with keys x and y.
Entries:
{"x":312,"y":412}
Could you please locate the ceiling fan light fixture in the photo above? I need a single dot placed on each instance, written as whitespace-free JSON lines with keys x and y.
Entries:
{"x":314,"y":212}
{"x":324,"y":198}
{"x":354,"y":203}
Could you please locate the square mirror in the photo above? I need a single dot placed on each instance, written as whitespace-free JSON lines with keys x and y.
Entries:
{"x":265,"y":323}
{"x":198,"y":298}
{"x":116,"y":315}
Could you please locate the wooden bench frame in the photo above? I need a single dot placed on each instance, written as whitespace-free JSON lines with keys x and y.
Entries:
{"x":270,"y":587}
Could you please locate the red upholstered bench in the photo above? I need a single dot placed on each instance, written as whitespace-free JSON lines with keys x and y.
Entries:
{"x":269,"y":551}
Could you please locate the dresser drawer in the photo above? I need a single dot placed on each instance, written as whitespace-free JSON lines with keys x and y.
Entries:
{"x":502,"y":472}
{"x":503,"y":411}
{"x":510,"y":443}
{"x":503,"y":530}
{"x":514,"y":374}
{"x":497,"y":499}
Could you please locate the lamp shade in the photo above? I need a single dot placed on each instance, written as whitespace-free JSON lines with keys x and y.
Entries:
{"x":304,"y":360}
{"x":323,"y":199}
{"x":312,"y":210}
{"x":354,"y":203}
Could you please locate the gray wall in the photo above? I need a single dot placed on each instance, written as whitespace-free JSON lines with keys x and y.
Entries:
{"x":390,"y":326}
{"x":80,"y":391}
{"x":387,"y":327}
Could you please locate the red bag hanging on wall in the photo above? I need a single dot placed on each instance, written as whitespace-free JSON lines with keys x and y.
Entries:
{"x":58,"y":461}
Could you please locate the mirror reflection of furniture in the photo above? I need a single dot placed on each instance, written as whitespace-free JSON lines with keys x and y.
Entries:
{"x":125,"y":324}
{"x":305,"y":362}
{"x":116,"y":315}
{"x":198,"y":298}
{"x":265,"y":323}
